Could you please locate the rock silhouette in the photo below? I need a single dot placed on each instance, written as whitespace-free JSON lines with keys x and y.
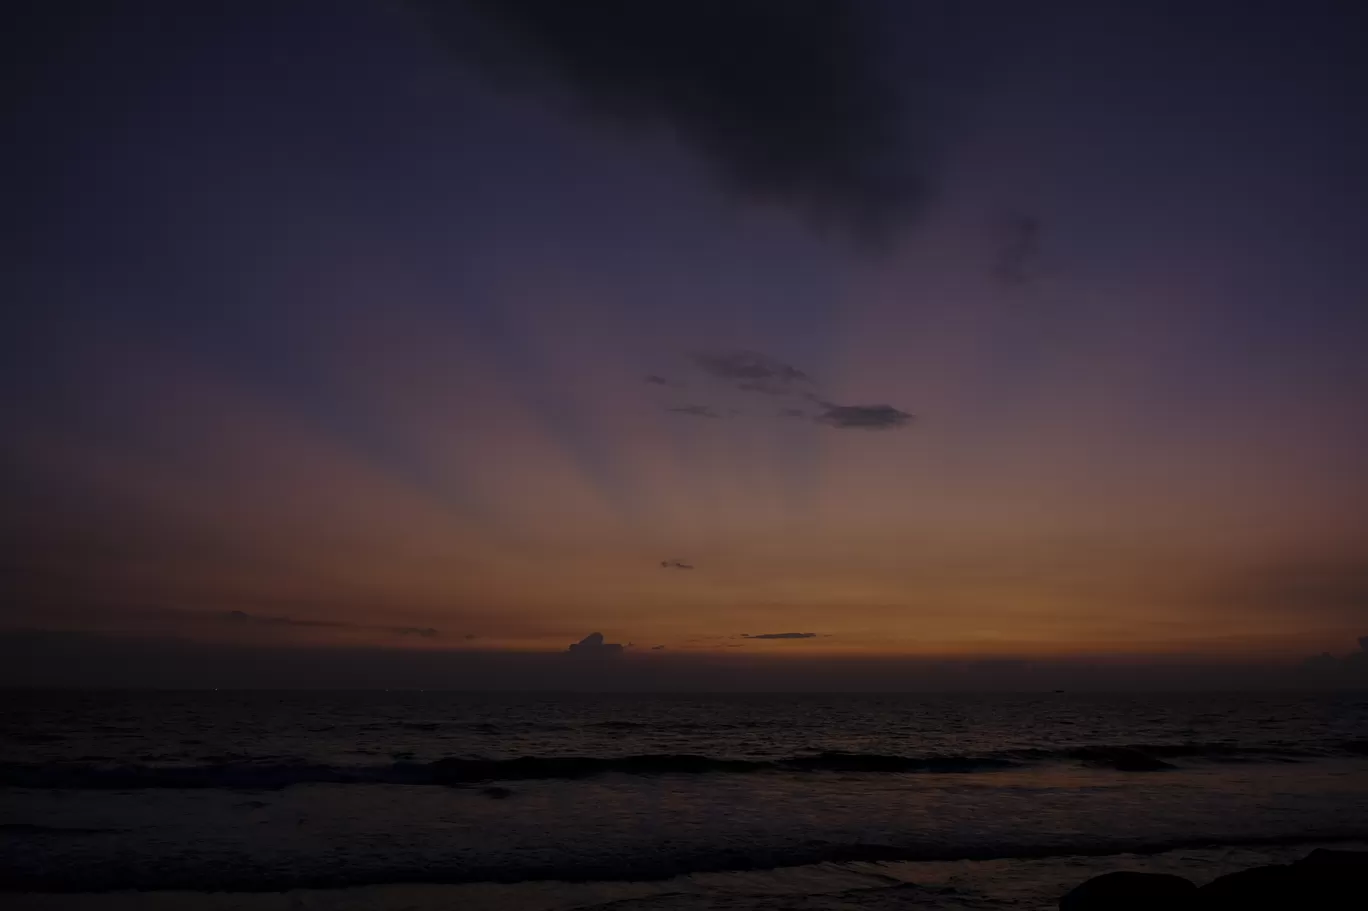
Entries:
{"x":1126,"y":890}
{"x":1324,"y":880}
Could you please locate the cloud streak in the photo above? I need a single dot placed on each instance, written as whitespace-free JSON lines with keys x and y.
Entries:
{"x":779,"y":636}
{"x":694,"y":410}
{"x":752,"y":372}
{"x":755,"y":372}
{"x":242,"y":618}
{"x":422,"y":632}
{"x":863,"y":417}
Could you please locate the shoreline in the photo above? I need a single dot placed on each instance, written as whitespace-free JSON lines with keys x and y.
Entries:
{"x":1040,"y":881}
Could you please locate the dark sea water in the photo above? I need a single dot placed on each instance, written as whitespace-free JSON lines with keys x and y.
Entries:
{"x":439,"y":800}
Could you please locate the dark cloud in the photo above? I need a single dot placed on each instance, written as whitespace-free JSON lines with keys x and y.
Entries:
{"x":785,"y":102}
{"x":751,"y":371}
{"x":675,"y":564}
{"x":863,"y":417}
{"x":1322,"y":663}
{"x":1018,"y":255}
{"x":242,"y":618}
{"x":779,"y":636}
{"x":1351,"y":670}
{"x":764,"y":388}
{"x":755,"y":372}
{"x":56,"y":658}
{"x":593,"y":644}
{"x":423,"y":632}
{"x":699,"y":411}
{"x":657,"y":648}
{"x":656,"y":380}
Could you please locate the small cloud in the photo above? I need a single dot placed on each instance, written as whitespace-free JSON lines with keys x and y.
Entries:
{"x":471,"y":636}
{"x":1018,"y":256}
{"x":593,"y":644}
{"x":753,"y":371}
{"x":764,"y":388}
{"x":701,"y":411}
{"x":655,"y":380}
{"x":657,"y":648}
{"x":242,"y":617}
{"x":675,"y":564}
{"x":863,"y":417}
{"x":780,"y":636}
{"x":1321,"y":663}
{"x":422,"y":632}
{"x":1350,"y":670}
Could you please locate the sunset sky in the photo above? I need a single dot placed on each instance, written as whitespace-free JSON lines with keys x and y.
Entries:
{"x":972,"y":330}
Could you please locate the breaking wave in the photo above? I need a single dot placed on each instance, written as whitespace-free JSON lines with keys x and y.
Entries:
{"x":644,"y":867}
{"x":272,"y":772}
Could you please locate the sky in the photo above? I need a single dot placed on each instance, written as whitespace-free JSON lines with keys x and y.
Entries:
{"x":811,"y":336}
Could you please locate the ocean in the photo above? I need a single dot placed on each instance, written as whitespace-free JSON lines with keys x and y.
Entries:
{"x":428,"y":800}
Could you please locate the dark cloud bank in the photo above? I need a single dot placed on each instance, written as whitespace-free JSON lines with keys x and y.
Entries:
{"x":69,"y":659}
{"x":785,"y":103}
{"x":1330,"y":670}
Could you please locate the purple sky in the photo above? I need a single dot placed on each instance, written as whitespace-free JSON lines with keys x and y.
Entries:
{"x":944,"y":331}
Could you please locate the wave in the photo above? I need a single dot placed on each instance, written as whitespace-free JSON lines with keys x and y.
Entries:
{"x":650,"y":866}
{"x":27,"y":828}
{"x":264,"y":774}
{"x":270,"y":772}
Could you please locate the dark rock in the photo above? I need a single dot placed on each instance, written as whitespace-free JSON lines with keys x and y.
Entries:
{"x":1276,"y":886}
{"x":1333,"y":879}
{"x":1127,"y":890}
{"x":1323,"y":880}
{"x":1337,"y":864}
{"x":497,"y":793}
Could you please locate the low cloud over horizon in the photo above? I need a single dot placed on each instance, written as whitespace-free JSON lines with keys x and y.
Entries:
{"x":593,"y":644}
{"x":45,"y":658}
